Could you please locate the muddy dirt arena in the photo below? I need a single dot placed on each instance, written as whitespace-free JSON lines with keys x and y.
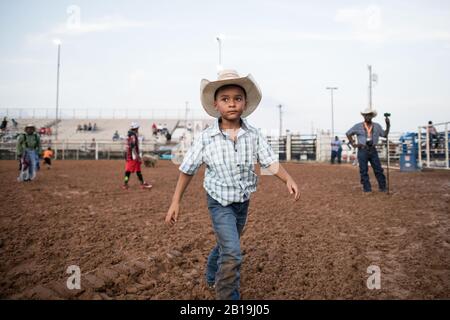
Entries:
{"x":318,"y":248}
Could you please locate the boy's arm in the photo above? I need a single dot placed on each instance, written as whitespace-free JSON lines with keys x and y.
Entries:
{"x":174,"y":209}
{"x":278,"y":170}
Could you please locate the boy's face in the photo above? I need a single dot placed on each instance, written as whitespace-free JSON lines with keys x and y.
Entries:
{"x":230,"y":102}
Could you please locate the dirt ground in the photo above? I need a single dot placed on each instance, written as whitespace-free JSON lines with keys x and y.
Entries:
{"x":318,"y":248}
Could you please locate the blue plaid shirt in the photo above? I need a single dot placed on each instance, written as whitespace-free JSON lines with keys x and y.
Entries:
{"x":230,"y":166}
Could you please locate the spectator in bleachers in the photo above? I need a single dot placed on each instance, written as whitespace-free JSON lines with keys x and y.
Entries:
{"x":79,"y":128}
{"x":116,"y":136}
{"x":90,"y":127}
{"x":15,"y":124}
{"x":42,"y":131}
{"x":4,"y":124}
{"x":432,"y":134}
{"x":85,"y":127}
{"x":154,"y":129}
{"x":94,"y":128}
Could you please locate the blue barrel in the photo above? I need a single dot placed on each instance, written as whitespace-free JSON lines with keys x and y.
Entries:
{"x":408,"y":156}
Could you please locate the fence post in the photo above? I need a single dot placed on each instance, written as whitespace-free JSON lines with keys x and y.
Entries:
{"x":420,"y":146}
{"x":288,"y":146}
{"x":96,"y":150}
{"x":428,"y":146}
{"x":63,"y":151}
{"x":446,"y":146}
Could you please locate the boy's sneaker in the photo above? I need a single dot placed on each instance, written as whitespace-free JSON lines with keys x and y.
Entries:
{"x":146,"y":185}
{"x":125,"y":187}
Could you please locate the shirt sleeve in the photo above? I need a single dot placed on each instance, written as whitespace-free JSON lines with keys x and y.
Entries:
{"x":19,"y":147}
{"x":38,"y":145}
{"x":382,"y":132}
{"x":352,"y":131}
{"x":265,"y":153}
{"x":193,"y":158}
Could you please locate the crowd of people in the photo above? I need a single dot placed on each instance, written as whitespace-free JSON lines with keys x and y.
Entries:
{"x":87,"y":127}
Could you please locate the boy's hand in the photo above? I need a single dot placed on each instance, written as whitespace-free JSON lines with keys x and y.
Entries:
{"x":172,"y":214}
{"x":293,"y":188}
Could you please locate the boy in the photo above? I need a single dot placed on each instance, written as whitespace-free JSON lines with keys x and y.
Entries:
{"x":229,"y":149}
{"x":133,"y":158}
{"x":368,"y":134}
{"x":48,"y":155}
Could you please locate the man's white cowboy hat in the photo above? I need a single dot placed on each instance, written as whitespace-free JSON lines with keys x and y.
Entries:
{"x":134,"y":125}
{"x":30,"y":125}
{"x":229,"y":77}
{"x":368,"y":111}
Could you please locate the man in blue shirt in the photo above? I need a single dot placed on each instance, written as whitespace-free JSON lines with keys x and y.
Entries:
{"x":336,"y":150}
{"x":368,"y":133}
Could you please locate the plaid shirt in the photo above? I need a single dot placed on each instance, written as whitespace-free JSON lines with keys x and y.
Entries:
{"x":230,"y":166}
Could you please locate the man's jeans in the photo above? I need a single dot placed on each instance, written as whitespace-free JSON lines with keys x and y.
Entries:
{"x":31,"y":156}
{"x":366,"y":155}
{"x":224,"y":261}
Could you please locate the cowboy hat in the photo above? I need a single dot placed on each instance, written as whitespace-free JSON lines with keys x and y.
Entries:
{"x":134,"y":125}
{"x":30,"y":125}
{"x":368,"y":111}
{"x":230,"y":77}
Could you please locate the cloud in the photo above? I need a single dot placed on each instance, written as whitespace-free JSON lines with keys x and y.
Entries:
{"x":77,"y":27}
{"x":22,"y":61}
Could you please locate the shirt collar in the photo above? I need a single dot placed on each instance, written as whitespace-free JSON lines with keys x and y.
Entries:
{"x":216,"y":127}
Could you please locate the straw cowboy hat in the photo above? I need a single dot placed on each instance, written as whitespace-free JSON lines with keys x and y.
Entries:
{"x":368,"y":111}
{"x":134,"y":125}
{"x":230,"y":77}
{"x":30,"y":125}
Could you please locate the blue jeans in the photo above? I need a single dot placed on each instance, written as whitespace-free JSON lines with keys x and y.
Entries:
{"x":31,"y":157}
{"x":366,"y":155}
{"x":224,"y":261}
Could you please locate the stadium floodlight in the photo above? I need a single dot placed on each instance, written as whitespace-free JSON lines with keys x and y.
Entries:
{"x":58,"y":43}
{"x":332,"y":109}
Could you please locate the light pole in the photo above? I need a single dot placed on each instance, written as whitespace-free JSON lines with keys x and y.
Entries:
{"x":281,"y":122}
{"x":219,"y":40}
{"x":58,"y":43}
{"x":186,"y":115}
{"x":332,"y":109}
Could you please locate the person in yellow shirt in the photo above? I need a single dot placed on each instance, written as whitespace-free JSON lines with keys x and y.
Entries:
{"x":48,"y":155}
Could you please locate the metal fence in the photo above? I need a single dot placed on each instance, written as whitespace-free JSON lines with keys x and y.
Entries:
{"x":433,"y":147}
{"x":103,"y":113}
{"x":288,"y":148}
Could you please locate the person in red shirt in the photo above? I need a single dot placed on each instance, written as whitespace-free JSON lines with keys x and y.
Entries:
{"x":133,"y":160}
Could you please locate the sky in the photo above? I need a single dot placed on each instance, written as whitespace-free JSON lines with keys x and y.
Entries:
{"x":152,"y":55}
